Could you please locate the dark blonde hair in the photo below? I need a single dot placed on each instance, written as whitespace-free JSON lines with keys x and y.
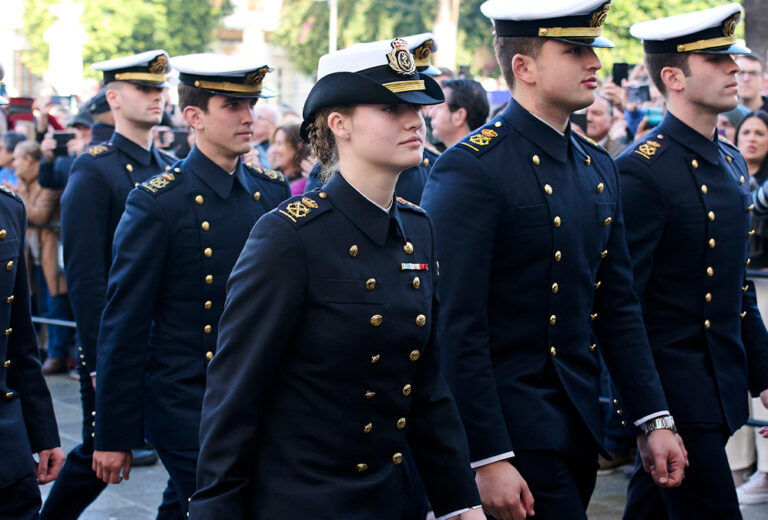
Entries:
{"x":322,"y":142}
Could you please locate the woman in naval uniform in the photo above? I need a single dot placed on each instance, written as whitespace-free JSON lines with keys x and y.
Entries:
{"x":327,"y":368}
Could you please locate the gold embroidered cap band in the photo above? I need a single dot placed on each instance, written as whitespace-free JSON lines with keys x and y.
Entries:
{"x":148,"y":68}
{"x":571,"y":21}
{"x":221,"y":74}
{"x":710,"y":31}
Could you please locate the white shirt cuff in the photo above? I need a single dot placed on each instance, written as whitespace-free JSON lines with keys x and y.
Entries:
{"x":458,"y":512}
{"x":489,"y":460}
{"x":651,"y":416}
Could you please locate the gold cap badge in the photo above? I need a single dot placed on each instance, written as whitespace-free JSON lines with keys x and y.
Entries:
{"x":400,"y":59}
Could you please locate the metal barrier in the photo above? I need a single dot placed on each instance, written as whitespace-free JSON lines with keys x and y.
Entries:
{"x":51,"y":321}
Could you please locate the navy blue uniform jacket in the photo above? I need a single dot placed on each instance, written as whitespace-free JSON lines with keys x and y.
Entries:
{"x":175,"y":247}
{"x":27,"y":423}
{"x":687,"y":206}
{"x":327,"y":366}
{"x":409,"y":186}
{"x":91,"y":207}
{"x":535,"y":268}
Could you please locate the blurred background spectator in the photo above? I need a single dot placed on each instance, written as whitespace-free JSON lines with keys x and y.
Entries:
{"x":290,"y":156}
{"x":605,"y":126}
{"x":42,"y":251}
{"x":264,"y":124}
{"x":749,"y":84}
{"x":727,"y":123}
{"x":465,"y":109}
{"x":8,"y":144}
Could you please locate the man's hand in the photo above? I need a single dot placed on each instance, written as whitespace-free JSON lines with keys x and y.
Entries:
{"x":764,"y":399}
{"x":504,"y":493}
{"x":664,"y":456}
{"x":47,"y":146}
{"x":50,"y":463}
{"x":109,"y":464}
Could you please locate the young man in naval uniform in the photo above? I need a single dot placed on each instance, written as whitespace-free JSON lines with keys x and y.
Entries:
{"x":687,"y":207}
{"x":27,"y":422}
{"x":536,"y":277}
{"x":175,"y":247}
{"x":91,"y":207}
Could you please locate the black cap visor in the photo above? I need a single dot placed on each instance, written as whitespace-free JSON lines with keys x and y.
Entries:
{"x":354,"y":88}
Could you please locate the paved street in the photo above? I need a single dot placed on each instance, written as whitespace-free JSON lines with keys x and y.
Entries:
{"x":138,"y":498}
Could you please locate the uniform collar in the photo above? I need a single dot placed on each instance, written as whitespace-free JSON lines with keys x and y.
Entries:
{"x":539,"y":133}
{"x":212,"y":174}
{"x":707,"y":149}
{"x":361,"y":212}
{"x":136,"y":152}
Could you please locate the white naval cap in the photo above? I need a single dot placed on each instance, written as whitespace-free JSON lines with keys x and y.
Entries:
{"x":710,"y":31}
{"x":146,"y":68}
{"x":222,"y":74}
{"x":421,"y":45}
{"x":570,"y":21}
{"x":382,"y":72}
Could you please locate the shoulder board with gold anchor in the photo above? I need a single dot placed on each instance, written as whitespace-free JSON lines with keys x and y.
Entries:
{"x":162,"y":182}
{"x":649,"y":149}
{"x":301,"y":209}
{"x":410,"y":205}
{"x":264,"y":173}
{"x":99,"y":149}
{"x":484,"y":139}
{"x":9,"y":192}
{"x":591,"y":142}
{"x":726,"y":142}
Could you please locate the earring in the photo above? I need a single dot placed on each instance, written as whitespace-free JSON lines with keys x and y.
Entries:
{"x":347,"y":137}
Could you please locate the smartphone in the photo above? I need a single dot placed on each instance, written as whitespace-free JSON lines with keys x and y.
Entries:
{"x":62,"y":138}
{"x":580,"y":119}
{"x":639,"y":94}
{"x":180,"y":138}
{"x":620,"y":72}
{"x":60,"y":100}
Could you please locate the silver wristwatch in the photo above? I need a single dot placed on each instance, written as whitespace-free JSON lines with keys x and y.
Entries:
{"x":665,"y":422}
